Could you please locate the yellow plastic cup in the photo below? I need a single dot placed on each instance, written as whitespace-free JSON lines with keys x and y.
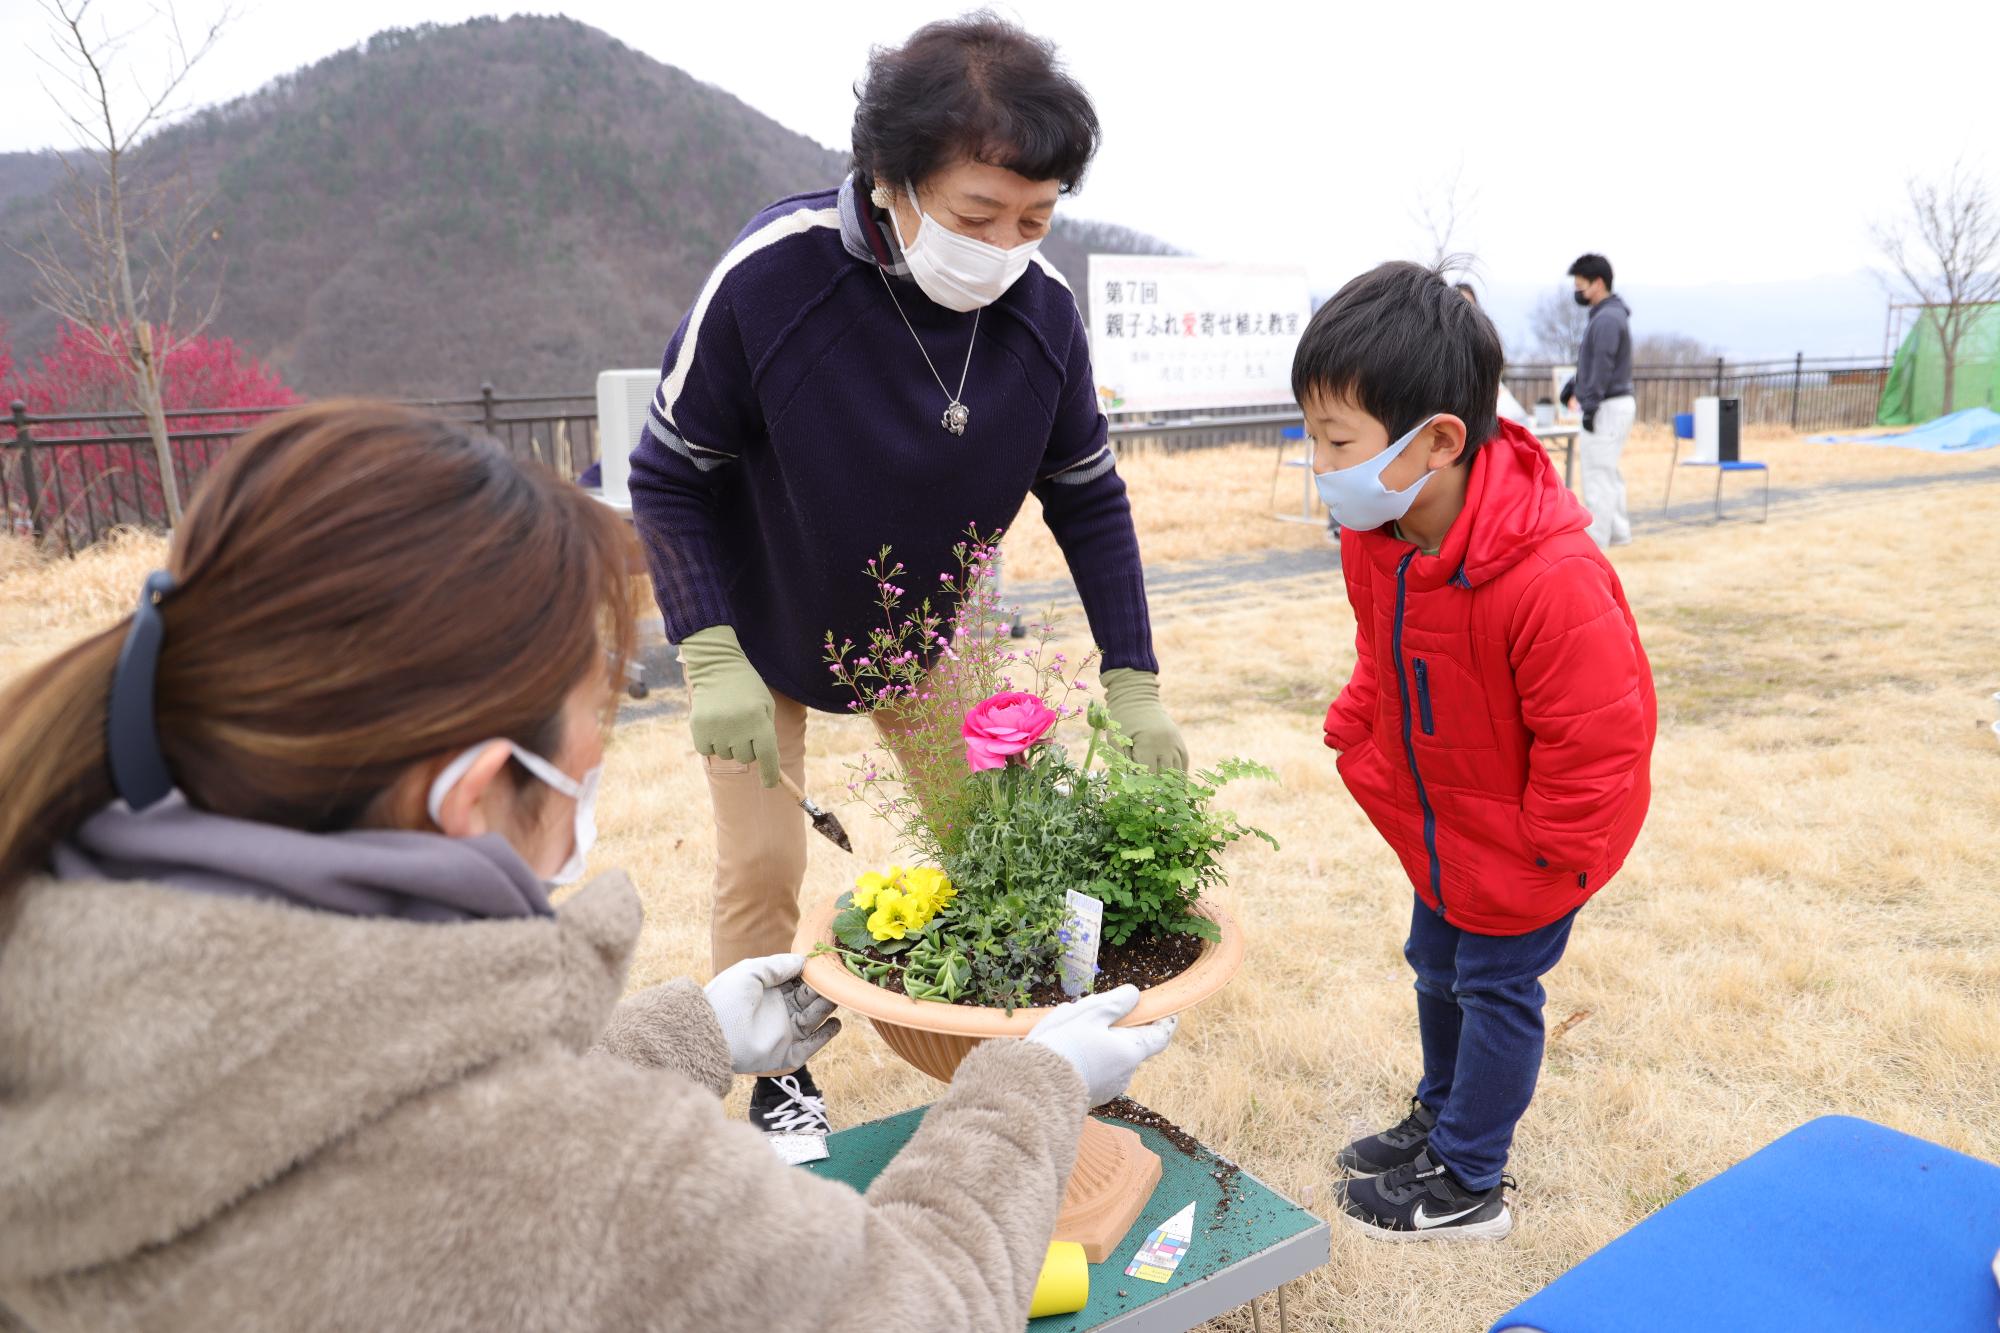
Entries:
{"x":1064,"y":1286}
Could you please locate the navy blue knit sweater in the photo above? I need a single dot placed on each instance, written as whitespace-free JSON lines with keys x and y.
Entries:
{"x":796,"y":431}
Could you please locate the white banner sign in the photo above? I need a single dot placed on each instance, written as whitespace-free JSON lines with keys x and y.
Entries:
{"x":1170,"y":333}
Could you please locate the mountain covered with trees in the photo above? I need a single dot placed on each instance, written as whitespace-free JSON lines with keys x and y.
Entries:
{"x":526,"y":201}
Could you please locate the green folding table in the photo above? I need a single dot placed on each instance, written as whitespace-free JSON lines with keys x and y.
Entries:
{"x":1249,"y":1240}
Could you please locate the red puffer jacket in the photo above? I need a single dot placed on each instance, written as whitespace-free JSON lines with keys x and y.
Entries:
{"x":1499,"y":725}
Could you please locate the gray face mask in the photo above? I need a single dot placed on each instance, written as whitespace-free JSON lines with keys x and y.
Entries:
{"x":584,"y":793}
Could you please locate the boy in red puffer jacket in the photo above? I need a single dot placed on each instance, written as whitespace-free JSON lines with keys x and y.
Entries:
{"x":1497,"y":729}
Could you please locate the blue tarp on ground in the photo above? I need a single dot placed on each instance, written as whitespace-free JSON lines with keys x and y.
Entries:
{"x":1974,"y":428}
{"x":1839,"y":1226}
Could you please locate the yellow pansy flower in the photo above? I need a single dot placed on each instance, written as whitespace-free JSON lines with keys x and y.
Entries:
{"x":931,"y":884}
{"x":887,"y":922}
{"x":915,"y":911}
{"x":868,"y":886}
{"x":902,"y":900}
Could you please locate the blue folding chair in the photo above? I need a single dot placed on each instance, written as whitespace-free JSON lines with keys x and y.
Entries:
{"x":1684,"y":430}
{"x":1293,"y":436}
{"x":1743,"y":465}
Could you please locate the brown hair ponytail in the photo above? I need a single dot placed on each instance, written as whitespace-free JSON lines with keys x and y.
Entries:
{"x":52,"y":759}
{"x":361,"y":587}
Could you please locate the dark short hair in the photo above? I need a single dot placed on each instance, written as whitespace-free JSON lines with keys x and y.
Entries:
{"x":1592,"y":266}
{"x":1400,"y":341}
{"x":976,"y":88}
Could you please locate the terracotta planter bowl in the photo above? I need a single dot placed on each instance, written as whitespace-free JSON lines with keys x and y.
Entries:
{"x":1115,"y":1173}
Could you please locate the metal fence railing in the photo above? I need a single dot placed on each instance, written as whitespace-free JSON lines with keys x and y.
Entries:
{"x":1135,"y":432}
{"x":1804,"y":393}
{"x":71,"y":477}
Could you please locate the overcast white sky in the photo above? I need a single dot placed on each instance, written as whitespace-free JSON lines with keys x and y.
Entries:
{"x":1693,"y":143}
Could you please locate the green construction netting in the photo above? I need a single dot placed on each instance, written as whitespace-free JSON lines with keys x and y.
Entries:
{"x":1914,"y":392}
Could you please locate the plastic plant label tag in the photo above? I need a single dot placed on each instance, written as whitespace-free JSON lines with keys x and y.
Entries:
{"x":1082,"y":928}
{"x":1162,"y":1253}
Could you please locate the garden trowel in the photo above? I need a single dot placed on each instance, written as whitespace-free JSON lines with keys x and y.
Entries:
{"x":822,"y":820}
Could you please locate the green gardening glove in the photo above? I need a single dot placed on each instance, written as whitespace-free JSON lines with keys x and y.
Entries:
{"x":732,"y":711}
{"x":1133,"y":700}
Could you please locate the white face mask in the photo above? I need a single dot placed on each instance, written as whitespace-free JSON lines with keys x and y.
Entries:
{"x":1356,"y":495}
{"x":584,"y":793}
{"x":959,"y":272}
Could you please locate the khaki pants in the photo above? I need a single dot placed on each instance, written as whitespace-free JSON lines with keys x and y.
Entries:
{"x":760,"y":845}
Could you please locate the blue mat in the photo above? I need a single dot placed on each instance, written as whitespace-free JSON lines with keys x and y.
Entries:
{"x":1840,"y":1225}
{"x":1974,"y":428}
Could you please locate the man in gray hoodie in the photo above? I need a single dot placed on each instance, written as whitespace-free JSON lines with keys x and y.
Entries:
{"x":1603,"y":390}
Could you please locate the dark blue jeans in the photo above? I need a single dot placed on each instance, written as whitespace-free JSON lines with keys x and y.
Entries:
{"x":1479,"y":1009}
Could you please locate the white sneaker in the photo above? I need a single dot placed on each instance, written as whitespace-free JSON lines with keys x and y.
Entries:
{"x":792,"y":1114}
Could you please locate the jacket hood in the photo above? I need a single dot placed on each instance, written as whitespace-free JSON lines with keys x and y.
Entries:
{"x":176,"y":1050}
{"x":359,"y":872}
{"x":1514,"y":501}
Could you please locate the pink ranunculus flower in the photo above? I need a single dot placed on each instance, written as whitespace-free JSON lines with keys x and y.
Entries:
{"x":1003,"y":726}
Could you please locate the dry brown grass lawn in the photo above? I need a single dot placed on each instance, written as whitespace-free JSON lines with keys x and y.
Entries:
{"x":1810,"y":924}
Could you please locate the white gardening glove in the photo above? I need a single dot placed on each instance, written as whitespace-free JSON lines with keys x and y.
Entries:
{"x":771,"y":1020}
{"x":1106,"y":1057}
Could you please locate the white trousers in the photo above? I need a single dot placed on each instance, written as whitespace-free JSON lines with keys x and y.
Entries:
{"x":1603,"y":484}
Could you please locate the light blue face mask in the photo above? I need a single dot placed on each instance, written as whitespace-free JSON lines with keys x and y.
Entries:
{"x":1356,"y":496}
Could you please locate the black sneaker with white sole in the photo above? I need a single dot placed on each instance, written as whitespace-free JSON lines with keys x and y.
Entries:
{"x":1394,"y":1146}
{"x":789,"y":1108}
{"x":1421,"y":1200}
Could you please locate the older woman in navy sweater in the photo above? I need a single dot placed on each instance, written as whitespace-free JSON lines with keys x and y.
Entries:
{"x":891,"y":362}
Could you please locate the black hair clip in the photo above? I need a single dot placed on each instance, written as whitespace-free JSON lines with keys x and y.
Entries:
{"x":138,"y":768}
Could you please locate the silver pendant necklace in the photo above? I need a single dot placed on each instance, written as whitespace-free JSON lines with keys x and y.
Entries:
{"x":956,"y":414}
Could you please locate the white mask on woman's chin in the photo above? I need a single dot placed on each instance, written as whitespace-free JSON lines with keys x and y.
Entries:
{"x":584,"y":793}
{"x":959,"y":272}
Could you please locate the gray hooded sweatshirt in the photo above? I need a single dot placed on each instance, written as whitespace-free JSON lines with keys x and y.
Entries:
{"x":1604,"y":361}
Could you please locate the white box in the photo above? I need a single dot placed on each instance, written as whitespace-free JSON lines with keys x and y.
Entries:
{"x":623,"y":398}
{"x":1707,"y":429}
{"x":1558,"y":377}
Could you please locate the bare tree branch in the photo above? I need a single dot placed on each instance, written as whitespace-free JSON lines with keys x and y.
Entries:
{"x":78,"y":91}
{"x":1439,"y":213}
{"x":179,"y":67}
{"x":137,"y":243}
{"x":1556,"y":324}
{"x":1946,"y":256}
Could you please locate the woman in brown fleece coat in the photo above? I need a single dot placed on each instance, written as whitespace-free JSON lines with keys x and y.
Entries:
{"x":290,"y":1036}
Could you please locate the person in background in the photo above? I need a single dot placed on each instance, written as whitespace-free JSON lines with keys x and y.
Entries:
{"x":1497,"y":728}
{"x":889,"y":361}
{"x":1510,"y":408}
{"x":291,"y":1036}
{"x":1602,"y":391}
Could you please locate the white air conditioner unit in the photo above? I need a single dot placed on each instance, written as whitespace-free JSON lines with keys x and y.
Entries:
{"x":623,"y":399}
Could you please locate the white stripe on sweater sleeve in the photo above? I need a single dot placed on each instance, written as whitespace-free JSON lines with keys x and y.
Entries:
{"x":1088,"y":469}
{"x":791,"y":224}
